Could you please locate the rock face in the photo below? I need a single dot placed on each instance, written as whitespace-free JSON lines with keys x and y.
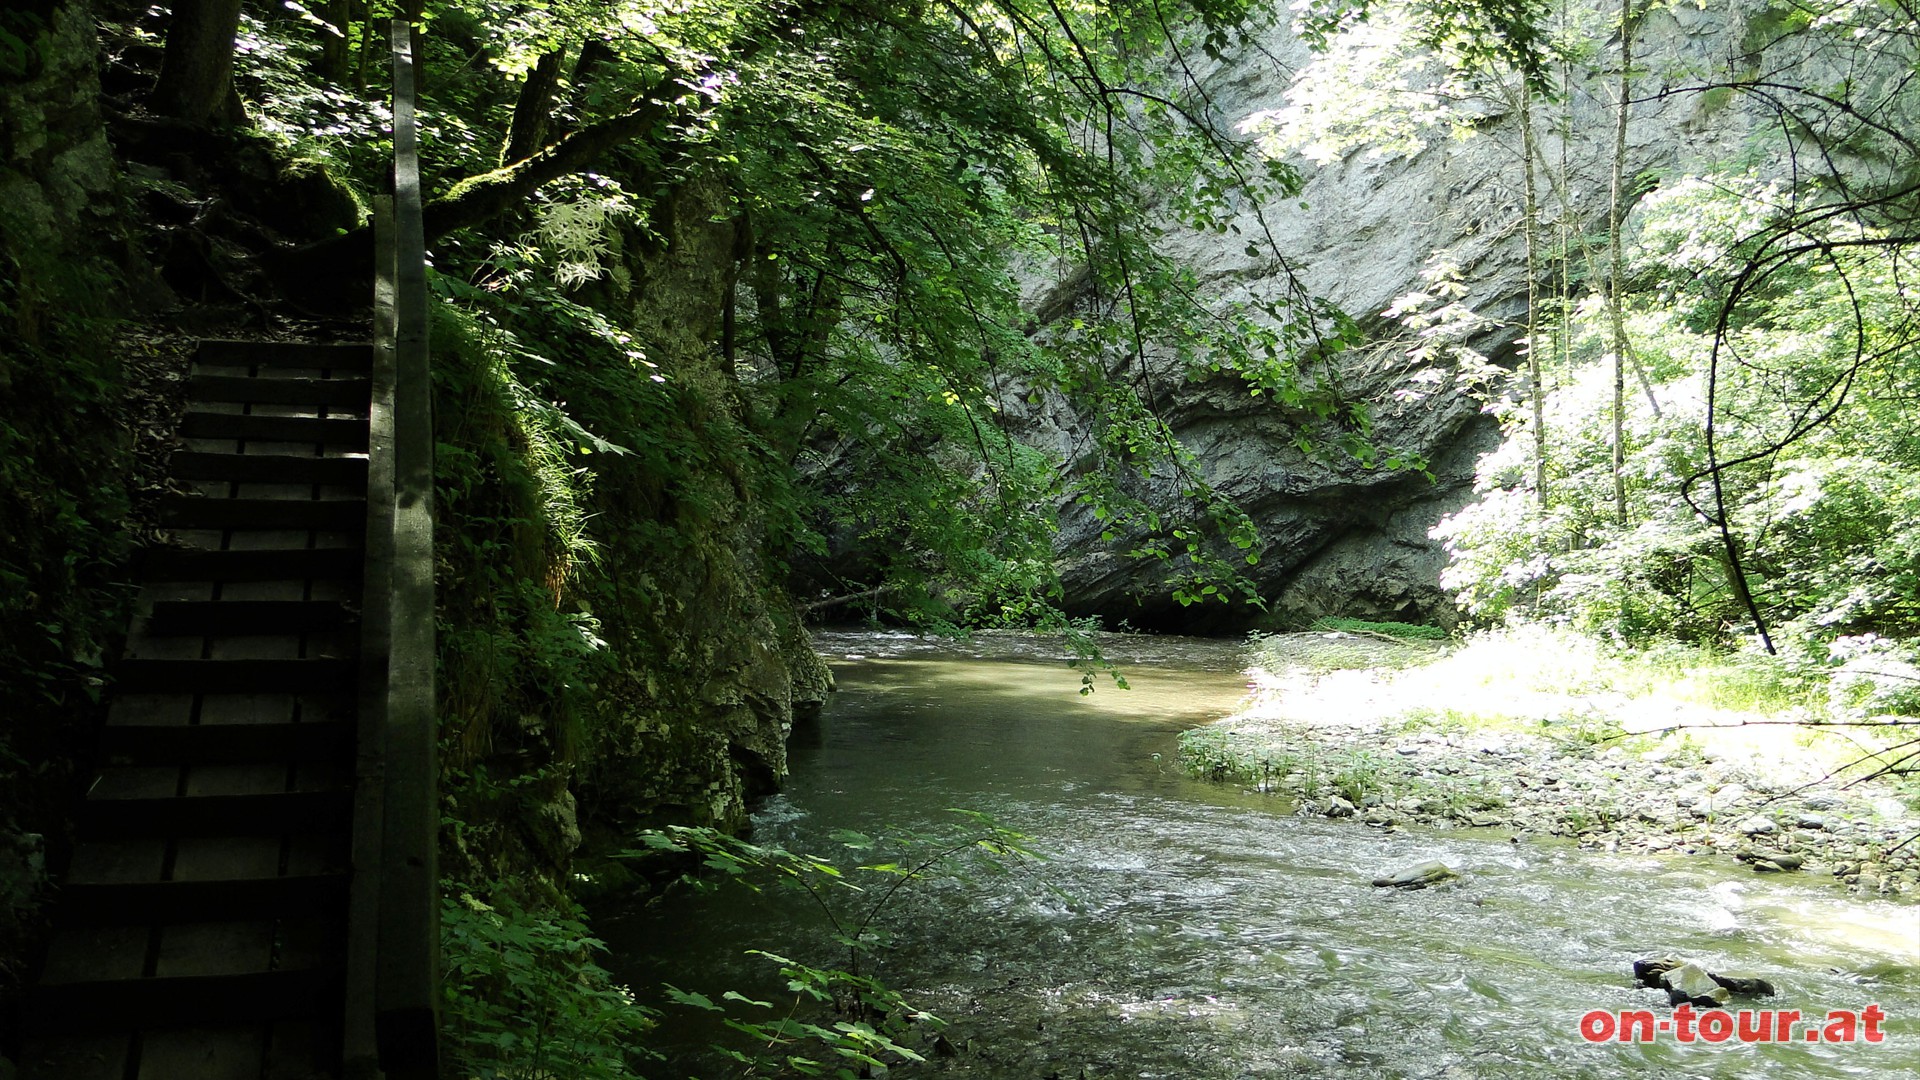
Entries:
{"x":1344,"y":539}
{"x":63,"y":447}
{"x":680,"y":714}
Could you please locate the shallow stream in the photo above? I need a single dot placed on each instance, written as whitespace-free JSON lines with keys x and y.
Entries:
{"x":1187,"y":930}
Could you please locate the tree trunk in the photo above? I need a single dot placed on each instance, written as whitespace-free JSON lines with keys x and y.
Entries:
{"x":1537,"y":390}
{"x":361,"y":70}
{"x":478,"y":198}
{"x":1616,"y":272}
{"x":336,"y":43}
{"x":196,"y":71}
{"x":527,"y":132}
{"x":586,"y":66}
{"x":330,"y":274}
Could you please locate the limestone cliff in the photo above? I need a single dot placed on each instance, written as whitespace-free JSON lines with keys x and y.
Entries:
{"x":1347,"y":539}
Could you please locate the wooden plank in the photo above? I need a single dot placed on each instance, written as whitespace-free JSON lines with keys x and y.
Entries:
{"x":227,"y":744}
{"x":226,"y":858}
{"x":246,"y":616}
{"x":108,"y":861}
{"x":354,"y":356}
{"x":216,"y":815}
{"x":225,"y":1052}
{"x":215,"y":948}
{"x":189,"y":512}
{"x":350,"y":472}
{"x":153,"y":709}
{"x":343,"y":392}
{"x":107,"y":1004}
{"x":234,"y":676}
{"x":156,"y":902}
{"x":222,"y":709}
{"x":135,"y":782}
{"x":182,"y":564}
{"x":344,"y":432}
{"x":302,"y":1051}
{"x":89,"y":953}
{"x":69,"y":1057}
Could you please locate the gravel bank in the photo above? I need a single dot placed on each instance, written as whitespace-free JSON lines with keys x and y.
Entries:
{"x":1387,"y":733}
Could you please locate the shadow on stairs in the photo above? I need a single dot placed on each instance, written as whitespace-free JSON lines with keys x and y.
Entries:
{"x":201,"y":929}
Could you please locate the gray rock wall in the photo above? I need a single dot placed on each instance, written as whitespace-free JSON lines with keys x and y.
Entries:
{"x":1344,"y":539}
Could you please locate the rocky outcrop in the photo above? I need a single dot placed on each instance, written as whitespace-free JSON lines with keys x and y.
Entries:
{"x":63,"y":447}
{"x":666,"y":689}
{"x":1346,"y":539}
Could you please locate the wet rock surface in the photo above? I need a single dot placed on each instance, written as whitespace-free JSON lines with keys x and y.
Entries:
{"x":1418,"y":876}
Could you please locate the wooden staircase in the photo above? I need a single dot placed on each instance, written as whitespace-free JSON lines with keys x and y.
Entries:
{"x":254,"y":893}
{"x":201,"y":929}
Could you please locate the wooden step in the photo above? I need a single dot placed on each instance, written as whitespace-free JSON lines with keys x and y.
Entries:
{"x":233,"y":676}
{"x":114,"y":1004}
{"x":226,"y":744}
{"x":246,"y":616}
{"x":343,"y":393}
{"x":199,"y":512}
{"x":217,"y":815}
{"x":268,"y":468}
{"x":345,"y":433}
{"x":264,"y":564}
{"x":286,"y":354}
{"x":146,"y":903}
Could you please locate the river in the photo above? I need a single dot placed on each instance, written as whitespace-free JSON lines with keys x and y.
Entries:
{"x":1191,"y":931}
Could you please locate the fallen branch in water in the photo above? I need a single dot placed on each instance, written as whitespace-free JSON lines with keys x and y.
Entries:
{"x":836,"y":601}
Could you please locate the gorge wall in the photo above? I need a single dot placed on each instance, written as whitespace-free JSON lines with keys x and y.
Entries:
{"x":1345,"y":539}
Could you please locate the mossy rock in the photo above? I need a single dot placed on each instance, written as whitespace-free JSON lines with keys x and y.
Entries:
{"x":299,"y":198}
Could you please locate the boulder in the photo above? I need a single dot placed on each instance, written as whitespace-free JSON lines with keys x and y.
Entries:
{"x":1688,"y":982}
{"x":1418,"y":876}
{"x":1691,"y":984}
{"x":1770,"y":861}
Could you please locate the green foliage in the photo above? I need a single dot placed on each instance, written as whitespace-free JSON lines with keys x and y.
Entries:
{"x":1816,"y":465}
{"x":1306,"y":771}
{"x":1409,"y":631}
{"x":514,"y":654}
{"x":64,"y":539}
{"x":525,"y":997}
{"x":854,"y":1022}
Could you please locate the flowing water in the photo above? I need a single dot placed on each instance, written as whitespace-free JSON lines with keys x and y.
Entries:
{"x":1186,"y":930}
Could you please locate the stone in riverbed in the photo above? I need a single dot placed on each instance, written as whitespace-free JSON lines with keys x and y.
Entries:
{"x":1337,"y":807}
{"x":1418,"y":876}
{"x":1758,"y":826}
{"x":1686,"y":981}
{"x":1691,"y":984}
{"x":1770,"y":861}
{"x":1739,"y":987}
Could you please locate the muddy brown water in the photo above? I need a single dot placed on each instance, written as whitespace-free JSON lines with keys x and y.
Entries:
{"x":1188,"y":930}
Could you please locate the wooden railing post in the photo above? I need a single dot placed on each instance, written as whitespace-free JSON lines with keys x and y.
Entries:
{"x":361,"y":1051}
{"x":399,"y":719}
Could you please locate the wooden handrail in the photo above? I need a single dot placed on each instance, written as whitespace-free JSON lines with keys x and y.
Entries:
{"x":393,"y":983}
